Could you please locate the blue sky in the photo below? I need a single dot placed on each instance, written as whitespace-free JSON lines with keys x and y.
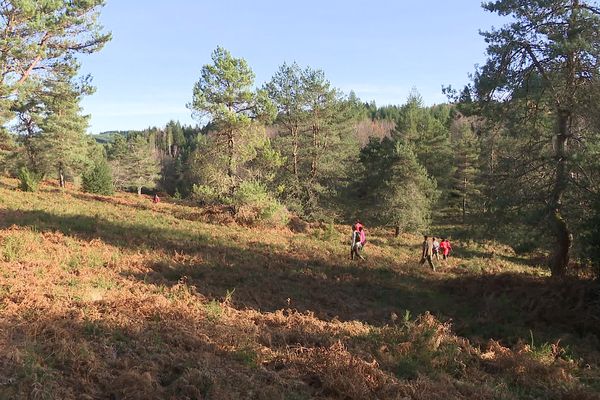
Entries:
{"x":380,"y":49}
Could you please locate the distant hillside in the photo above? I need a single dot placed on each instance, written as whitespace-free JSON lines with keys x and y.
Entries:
{"x":108,"y":136}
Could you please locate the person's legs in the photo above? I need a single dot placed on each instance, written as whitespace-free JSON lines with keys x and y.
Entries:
{"x":358,"y":250}
{"x":430,"y":261}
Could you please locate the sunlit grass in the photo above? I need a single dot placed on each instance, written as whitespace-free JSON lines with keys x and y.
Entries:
{"x":116,"y":296}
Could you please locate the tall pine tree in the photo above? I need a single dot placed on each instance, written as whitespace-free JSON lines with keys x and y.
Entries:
{"x":546,"y":61}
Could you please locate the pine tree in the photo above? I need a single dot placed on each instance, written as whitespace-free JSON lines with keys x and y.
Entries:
{"x":418,"y":126}
{"x":465,"y":177}
{"x":138,"y":166}
{"x":546,"y":63}
{"x":224,"y":93}
{"x":98,"y":179}
{"x":288,"y":93}
{"x":397,"y":188}
{"x":40,"y":40}
{"x":61,"y":145}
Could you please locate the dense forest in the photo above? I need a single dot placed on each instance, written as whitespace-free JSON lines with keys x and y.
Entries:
{"x":512,"y":156}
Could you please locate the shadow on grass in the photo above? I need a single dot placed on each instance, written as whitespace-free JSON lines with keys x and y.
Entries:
{"x":508,"y":307}
{"x":121,"y":234}
{"x":269,"y":282}
{"x":156,"y":354}
{"x":503,"y":307}
{"x":220,"y":214}
{"x":262,"y":278}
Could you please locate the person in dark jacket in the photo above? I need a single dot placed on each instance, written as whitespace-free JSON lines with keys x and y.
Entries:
{"x":427,"y":252}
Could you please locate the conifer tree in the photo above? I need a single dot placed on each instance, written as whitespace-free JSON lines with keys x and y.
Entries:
{"x":225,"y":94}
{"x":98,"y":179}
{"x":546,"y":62}
{"x":287,"y":91}
{"x":465,"y":177}
{"x":137,"y":165}
{"x":40,"y":39}
{"x":60,"y":144}
{"x":397,"y":188}
{"x":417,"y":126}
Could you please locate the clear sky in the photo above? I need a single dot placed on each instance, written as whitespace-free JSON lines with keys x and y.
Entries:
{"x":379,"y":48}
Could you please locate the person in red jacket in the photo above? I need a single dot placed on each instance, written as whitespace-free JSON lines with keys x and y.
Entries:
{"x":445,"y":247}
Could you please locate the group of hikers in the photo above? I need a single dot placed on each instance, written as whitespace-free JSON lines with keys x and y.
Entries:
{"x":431,"y":248}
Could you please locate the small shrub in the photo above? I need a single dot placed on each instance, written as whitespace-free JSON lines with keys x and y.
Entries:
{"x":29,"y":181}
{"x":330,"y":233}
{"x":101,"y":282}
{"x":297,"y":225}
{"x":98,"y":180}
{"x":255,"y":205}
{"x":525,"y":247}
{"x":205,"y":195}
{"x":13,"y":248}
{"x":247,"y":355}
{"x":213,"y":310}
{"x":194,"y":383}
{"x":424,"y":346}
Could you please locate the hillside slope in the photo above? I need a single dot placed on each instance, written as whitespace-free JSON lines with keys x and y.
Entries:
{"x":119,"y":298}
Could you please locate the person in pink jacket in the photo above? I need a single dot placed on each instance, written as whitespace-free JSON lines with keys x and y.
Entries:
{"x":355,"y":244}
{"x":363,"y":236}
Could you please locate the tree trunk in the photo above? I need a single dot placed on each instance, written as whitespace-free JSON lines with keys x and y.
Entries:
{"x":313,"y":164}
{"x":295,"y":152}
{"x":397,"y":233}
{"x":564,"y":239}
{"x":61,"y":176}
{"x":230,"y":163}
{"x":464,"y":200}
{"x":230,"y":150}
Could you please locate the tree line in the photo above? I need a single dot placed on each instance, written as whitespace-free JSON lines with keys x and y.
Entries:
{"x":512,"y":156}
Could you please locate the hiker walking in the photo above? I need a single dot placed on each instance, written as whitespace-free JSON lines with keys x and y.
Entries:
{"x":363,"y":236}
{"x":355,"y":243}
{"x":358,"y":225}
{"x":427,"y":252}
{"x":436,"y":249}
{"x":155,"y":199}
{"x":445,"y":248}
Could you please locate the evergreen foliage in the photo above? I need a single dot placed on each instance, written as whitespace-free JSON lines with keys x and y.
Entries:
{"x":134,"y":163}
{"x":39,"y":92}
{"x":28,"y":180}
{"x":316,"y":125}
{"x":255,"y":205}
{"x":225,"y":94}
{"x":397,"y":189}
{"x":98,"y":179}
{"x":465,"y":190}
{"x":545,"y":62}
{"x":518,"y":145}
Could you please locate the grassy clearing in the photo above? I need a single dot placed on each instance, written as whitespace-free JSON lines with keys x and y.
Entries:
{"x":116,"y":297}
